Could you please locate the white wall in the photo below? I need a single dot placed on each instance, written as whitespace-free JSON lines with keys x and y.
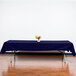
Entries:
{"x":23,"y":19}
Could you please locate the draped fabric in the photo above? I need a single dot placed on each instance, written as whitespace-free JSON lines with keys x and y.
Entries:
{"x":33,"y":45}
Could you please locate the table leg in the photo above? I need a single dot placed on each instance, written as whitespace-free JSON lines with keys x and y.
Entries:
{"x":14,"y":56}
{"x":11,"y":60}
{"x":64,"y":58}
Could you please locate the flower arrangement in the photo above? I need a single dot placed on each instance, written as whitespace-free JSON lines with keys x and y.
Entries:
{"x":38,"y":38}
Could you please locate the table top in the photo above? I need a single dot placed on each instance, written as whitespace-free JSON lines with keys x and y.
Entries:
{"x":35,"y":41}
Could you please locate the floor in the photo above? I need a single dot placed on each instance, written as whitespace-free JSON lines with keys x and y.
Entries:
{"x":37,"y":65}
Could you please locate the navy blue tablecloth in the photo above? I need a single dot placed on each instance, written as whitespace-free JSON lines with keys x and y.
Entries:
{"x":32,"y":45}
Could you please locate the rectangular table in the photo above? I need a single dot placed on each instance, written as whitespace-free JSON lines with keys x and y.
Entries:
{"x":33,"y":45}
